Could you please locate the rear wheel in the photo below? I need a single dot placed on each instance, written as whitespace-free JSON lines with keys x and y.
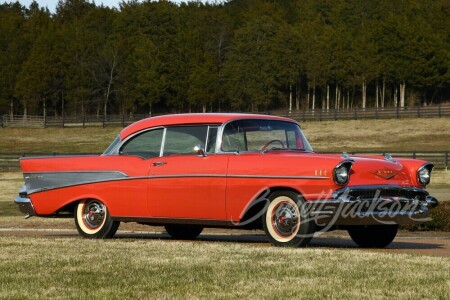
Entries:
{"x":183,"y":232}
{"x":373,"y":236}
{"x":286,"y":222}
{"x":93,"y":220}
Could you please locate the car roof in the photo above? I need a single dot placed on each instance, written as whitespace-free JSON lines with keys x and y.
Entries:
{"x":195,"y":118}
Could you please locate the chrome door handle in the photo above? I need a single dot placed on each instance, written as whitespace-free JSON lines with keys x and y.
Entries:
{"x":159,"y":163}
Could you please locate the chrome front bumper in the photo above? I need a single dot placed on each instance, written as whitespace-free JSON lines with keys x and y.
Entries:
{"x":24,"y":203}
{"x":373,"y":205}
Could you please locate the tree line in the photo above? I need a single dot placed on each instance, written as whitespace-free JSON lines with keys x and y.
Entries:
{"x":238,"y":55}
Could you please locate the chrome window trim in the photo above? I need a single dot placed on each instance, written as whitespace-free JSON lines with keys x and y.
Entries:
{"x":222,"y":129}
{"x":219,"y":138}
{"x":207,"y":137}
{"x":208,"y":125}
{"x":114,"y":149}
{"x":163,"y":143}
{"x":120,"y":145}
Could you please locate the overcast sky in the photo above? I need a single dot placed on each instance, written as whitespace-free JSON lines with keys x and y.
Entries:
{"x":51,"y":4}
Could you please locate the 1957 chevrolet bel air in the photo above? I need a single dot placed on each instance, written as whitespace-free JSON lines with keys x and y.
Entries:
{"x":191,"y":171}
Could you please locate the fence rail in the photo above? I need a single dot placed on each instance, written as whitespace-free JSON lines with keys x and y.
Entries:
{"x":10,"y":161}
{"x":301,"y":115}
{"x":368,"y":113}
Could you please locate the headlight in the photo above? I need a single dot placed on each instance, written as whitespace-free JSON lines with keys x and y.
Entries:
{"x":341,"y":173}
{"x":424,"y":174}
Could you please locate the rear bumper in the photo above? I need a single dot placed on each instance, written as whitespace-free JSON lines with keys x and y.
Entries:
{"x":386,"y":205}
{"x":24,"y":203}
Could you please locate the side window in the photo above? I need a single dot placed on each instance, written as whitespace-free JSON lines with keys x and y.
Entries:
{"x":234,"y":141}
{"x":182,"y":140}
{"x":146,"y":144}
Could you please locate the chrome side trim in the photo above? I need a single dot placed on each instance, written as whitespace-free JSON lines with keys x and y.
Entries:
{"x":278,"y":177}
{"x":41,"y":181}
{"x":44,"y":181}
{"x":164,"y":220}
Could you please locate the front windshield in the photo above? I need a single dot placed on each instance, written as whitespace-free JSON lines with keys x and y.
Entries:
{"x":263,"y":135}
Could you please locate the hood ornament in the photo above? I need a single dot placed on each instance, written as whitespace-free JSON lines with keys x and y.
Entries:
{"x":345,"y":155}
{"x":389,"y":157}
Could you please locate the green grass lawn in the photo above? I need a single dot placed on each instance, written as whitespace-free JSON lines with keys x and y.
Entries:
{"x":56,"y":140}
{"x":132,"y":269}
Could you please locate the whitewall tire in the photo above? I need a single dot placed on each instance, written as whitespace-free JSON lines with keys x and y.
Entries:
{"x":93,"y":220}
{"x":285,"y":222}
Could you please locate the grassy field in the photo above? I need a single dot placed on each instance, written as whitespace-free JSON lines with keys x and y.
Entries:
{"x":59,"y":140}
{"x":372,"y":135}
{"x":129,"y":269}
{"x":397,"y":134}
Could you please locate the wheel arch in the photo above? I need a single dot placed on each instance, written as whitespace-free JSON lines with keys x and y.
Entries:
{"x":70,"y":206}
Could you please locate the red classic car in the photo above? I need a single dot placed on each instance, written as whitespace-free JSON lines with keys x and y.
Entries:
{"x":191,"y":171}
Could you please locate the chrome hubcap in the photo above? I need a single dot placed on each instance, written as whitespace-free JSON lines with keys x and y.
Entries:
{"x":93,"y":214}
{"x":285,"y":219}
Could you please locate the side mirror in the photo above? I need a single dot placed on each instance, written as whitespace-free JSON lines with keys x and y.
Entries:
{"x":199,"y":150}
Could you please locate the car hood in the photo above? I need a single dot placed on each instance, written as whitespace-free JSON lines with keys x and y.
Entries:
{"x":383,"y":170}
{"x":365,"y":170}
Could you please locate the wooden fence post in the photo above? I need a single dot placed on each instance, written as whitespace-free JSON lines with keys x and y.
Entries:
{"x":446,"y":160}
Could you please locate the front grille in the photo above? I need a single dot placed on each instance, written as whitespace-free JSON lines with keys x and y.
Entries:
{"x":389,"y":193}
{"x":383,"y":192}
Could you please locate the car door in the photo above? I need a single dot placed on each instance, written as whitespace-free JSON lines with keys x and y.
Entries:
{"x":183,"y":184}
{"x":139,"y":150}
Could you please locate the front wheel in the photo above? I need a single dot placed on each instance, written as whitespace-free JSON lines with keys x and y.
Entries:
{"x":286,"y":222}
{"x":183,"y":232}
{"x":373,"y":236}
{"x":93,"y":220}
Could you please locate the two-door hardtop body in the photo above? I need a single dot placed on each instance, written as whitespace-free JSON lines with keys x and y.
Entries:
{"x":191,"y":171}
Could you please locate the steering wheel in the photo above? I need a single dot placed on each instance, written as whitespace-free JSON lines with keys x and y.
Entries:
{"x":270,"y":142}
